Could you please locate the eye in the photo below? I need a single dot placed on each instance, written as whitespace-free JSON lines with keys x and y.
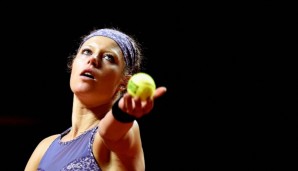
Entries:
{"x":87,"y":52}
{"x":109,"y":57}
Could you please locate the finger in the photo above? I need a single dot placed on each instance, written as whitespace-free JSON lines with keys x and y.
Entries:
{"x":138,"y":110}
{"x":128,"y":104}
{"x":160,"y":91}
{"x":148,"y":106}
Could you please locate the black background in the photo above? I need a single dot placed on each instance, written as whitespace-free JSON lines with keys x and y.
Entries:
{"x":229,"y":68}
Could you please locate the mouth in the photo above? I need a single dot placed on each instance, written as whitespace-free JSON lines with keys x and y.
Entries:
{"x":87,"y":73}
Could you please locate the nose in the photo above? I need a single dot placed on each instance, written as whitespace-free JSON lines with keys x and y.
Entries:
{"x":93,"y":61}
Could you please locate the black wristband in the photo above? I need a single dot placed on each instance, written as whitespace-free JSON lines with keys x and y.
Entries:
{"x":121,"y":116}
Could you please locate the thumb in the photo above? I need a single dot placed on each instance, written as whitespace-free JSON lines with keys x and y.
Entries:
{"x":160,"y":91}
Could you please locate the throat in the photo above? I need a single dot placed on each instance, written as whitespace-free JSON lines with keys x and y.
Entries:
{"x":75,"y":132}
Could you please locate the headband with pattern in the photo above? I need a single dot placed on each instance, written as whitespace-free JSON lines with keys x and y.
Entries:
{"x":121,"y":39}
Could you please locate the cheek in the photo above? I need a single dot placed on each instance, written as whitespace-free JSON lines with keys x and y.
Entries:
{"x":75,"y":63}
{"x":76,"y":66}
{"x":112,"y":82}
{"x":74,"y":71}
{"x":72,"y":79}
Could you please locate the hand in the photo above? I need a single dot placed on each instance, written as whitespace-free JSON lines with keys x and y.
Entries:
{"x":137,"y":107}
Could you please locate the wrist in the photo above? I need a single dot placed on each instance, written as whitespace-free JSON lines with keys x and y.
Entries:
{"x":121,"y":116}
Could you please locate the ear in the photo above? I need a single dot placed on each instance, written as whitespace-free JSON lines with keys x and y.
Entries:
{"x":122,"y":87}
{"x":124,"y":82}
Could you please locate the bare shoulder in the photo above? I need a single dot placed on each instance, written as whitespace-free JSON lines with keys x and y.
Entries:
{"x":44,"y":144}
{"x":48,"y":140}
{"x":39,"y":151}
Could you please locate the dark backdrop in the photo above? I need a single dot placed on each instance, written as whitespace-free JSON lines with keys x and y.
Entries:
{"x":229,"y":69}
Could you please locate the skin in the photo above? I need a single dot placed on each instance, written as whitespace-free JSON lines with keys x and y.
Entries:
{"x":117,"y":146}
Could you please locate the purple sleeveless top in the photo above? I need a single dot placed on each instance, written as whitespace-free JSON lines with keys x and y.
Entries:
{"x":71,"y":155}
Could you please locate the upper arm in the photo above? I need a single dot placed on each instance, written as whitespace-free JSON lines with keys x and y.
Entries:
{"x":38,"y":152}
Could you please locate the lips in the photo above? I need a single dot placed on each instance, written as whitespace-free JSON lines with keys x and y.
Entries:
{"x":87,"y":73}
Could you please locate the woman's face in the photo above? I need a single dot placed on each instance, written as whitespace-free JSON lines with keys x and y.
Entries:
{"x":97,"y":71}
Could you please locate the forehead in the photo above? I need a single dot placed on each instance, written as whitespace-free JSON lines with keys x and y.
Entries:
{"x":102,"y":42}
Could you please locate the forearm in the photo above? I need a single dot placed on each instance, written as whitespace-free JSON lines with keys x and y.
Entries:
{"x":111,"y":129}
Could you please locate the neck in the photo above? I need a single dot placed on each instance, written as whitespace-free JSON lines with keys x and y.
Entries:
{"x":80,"y":128}
{"x":85,"y":117}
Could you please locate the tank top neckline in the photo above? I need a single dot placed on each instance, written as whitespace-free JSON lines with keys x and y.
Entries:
{"x":76,"y":138}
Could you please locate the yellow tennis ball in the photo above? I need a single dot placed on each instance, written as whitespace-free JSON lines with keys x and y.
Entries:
{"x":141,"y":85}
